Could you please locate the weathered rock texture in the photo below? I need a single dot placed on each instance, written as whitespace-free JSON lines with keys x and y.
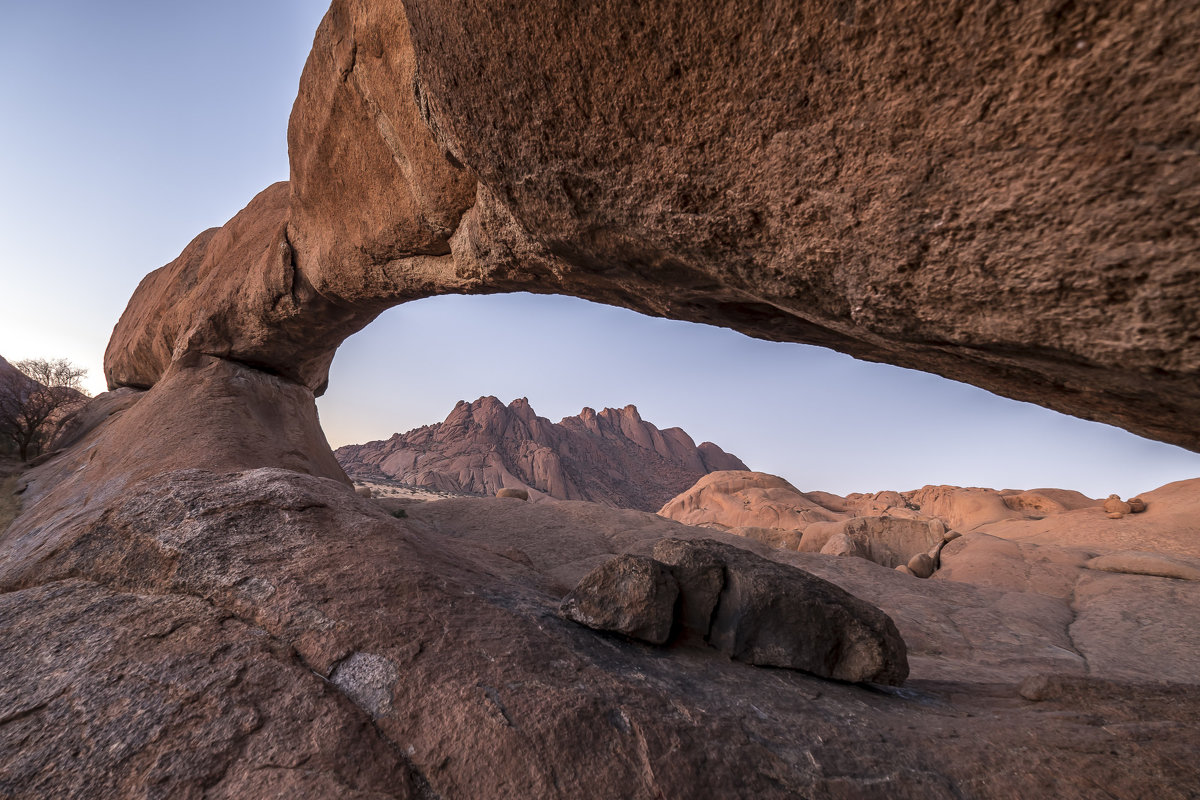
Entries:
{"x":190,"y":629}
{"x":612,"y":457}
{"x":888,"y":527}
{"x":8,"y":371}
{"x":630,"y":595}
{"x":109,"y":693}
{"x":1000,"y":194}
{"x":750,"y":608}
{"x":1135,"y":563}
{"x":1006,"y":528}
{"x":771,"y":615}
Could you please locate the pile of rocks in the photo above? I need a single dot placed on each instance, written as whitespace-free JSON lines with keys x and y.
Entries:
{"x":1116,"y":508}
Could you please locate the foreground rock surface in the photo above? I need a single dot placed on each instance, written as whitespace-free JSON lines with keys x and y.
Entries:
{"x":116,"y":694}
{"x":441,"y":633}
{"x":612,"y":457}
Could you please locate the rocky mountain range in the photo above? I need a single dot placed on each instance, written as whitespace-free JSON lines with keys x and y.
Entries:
{"x":612,"y":457}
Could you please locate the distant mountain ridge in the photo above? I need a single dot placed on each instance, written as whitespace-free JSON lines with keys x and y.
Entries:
{"x":612,"y":457}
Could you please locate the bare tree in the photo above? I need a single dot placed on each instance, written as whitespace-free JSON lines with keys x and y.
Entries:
{"x":37,"y":399}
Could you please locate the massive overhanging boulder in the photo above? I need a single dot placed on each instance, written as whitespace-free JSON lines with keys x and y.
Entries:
{"x":1002,"y":194}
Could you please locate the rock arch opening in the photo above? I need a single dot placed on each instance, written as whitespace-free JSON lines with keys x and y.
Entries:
{"x":818,"y":418}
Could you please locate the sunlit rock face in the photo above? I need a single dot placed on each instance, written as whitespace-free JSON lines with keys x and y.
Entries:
{"x":1002,"y":195}
{"x":613,"y":457}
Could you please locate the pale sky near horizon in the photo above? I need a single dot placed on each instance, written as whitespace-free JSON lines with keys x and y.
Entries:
{"x":126,"y":128}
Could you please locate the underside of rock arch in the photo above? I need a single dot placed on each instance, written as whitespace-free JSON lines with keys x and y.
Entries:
{"x":1006,"y":195}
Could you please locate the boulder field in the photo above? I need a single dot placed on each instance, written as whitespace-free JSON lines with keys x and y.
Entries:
{"x":195,"y":603}
{"x":890,"y":527}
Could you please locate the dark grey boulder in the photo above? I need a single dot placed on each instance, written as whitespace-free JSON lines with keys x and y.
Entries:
{"x":751,"y":608}
{"x":701,"y":577}
{"x":631,"y":595}
{"x":771,"y":614}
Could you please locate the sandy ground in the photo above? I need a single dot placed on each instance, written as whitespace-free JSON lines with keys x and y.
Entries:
{"x":404,"y":491}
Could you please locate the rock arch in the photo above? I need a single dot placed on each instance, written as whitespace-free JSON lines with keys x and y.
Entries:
{"x":1005,"y":196}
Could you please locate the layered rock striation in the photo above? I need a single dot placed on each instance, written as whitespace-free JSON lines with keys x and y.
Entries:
{"x":613,"y":457}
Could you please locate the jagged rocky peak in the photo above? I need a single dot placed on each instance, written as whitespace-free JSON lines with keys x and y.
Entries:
{"x":613,"y":457}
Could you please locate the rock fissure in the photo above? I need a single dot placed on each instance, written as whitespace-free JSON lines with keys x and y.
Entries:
{"x":1071,"y":605}
{"x":30,"y":711}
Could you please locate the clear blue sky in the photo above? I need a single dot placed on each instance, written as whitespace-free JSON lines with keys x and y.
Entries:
{"x":126,"y":128}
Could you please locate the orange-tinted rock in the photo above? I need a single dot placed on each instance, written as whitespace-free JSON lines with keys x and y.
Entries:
{"x":1168,"y":525}
{"x":1135,"y":563}
{"x":828,"y":175}
{"x":235,"y":292}
{"x":983,"y":560}
{"x":841,"y":545}
{"x":921,"y":565}
{"x":890,"y":541}
{"x":963,"y":509}
{"x":775,"y":537}
{"x":887,"y":527}
{"x":742,"y":499}
{"x":1115,"y":505}
{"x":1046,"y":501}
{"x":370,"y":185}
